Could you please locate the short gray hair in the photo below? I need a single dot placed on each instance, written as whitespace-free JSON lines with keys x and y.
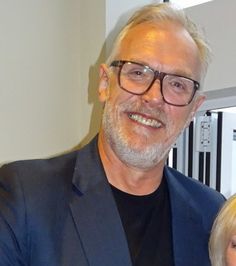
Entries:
{"x":165,"y":12}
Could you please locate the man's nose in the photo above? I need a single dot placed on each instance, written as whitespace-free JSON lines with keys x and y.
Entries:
{"x":153,"y":95}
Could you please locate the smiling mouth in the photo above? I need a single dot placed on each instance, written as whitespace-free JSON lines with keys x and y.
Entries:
{"x":145,"y":121}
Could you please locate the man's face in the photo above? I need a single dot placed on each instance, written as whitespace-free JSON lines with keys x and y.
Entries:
{"x":141,"y":129}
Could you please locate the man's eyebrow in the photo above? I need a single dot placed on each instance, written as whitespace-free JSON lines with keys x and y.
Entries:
{"x":181,"y":72}
{"x":141,"y":62}
{"x":171,"y":70}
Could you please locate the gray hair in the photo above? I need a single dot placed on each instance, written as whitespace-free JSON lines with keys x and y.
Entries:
{"x":165,"y":12}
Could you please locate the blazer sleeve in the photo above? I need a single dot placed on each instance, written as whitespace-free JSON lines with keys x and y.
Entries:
{"x":13,"y":224}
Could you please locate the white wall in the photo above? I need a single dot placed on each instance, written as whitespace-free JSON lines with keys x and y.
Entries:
{"x":228,"y":184}
{"x":233,"y":179}
{"x":46,"y":48}
{"x":218,"y":19}
{"x":92,"y":54}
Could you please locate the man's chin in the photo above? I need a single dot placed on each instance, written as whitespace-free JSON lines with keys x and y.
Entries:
{"x":141,"y":145}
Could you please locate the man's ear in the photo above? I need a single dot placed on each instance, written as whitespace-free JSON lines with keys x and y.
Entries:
{"x":103,"y":87}
{"x":197,"y":103}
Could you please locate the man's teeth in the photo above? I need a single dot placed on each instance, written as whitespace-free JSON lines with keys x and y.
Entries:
{"x":145,"y":121}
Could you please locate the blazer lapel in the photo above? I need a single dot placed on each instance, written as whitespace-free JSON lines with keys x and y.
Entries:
{"x":95,"y":213}
{"x":187,"y":225}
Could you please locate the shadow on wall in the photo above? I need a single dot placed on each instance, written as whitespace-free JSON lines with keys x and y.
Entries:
{"x":97,"y":107}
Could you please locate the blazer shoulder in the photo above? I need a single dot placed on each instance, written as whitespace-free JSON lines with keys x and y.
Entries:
{"x":204,"y":199}
{"x":36,"y":186}
{"x":38,"y":172}
{"x":193,"y":185}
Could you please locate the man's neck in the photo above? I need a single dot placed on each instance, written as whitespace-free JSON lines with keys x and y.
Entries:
{"x":132,"y":180}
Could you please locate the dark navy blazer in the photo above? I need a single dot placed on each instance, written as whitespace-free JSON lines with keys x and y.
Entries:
{"x":61,"y":212}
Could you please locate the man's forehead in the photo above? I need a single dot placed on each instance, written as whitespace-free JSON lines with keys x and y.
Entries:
{"x":167,"y":42}
{"x":150,"y":29}
{"x":164,"y":34}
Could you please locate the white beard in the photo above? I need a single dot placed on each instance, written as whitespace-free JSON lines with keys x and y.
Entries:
{"x":131,"y":154}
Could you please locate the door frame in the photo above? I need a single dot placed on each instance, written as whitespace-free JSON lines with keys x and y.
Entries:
{"x":216,"y":99}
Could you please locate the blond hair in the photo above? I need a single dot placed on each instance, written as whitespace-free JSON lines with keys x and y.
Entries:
{"x":159,"y":13}
{"x":223,"y":229}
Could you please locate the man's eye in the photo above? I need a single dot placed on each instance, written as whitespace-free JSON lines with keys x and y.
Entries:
{"x":136,"y":74}
{"x":233,"y":244}
{"x":177,"y":86}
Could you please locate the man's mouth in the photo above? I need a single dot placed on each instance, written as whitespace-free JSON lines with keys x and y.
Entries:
{"x":144,"y":120}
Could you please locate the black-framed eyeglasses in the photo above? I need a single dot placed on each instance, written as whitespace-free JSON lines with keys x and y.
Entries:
{"x":137,"y":79}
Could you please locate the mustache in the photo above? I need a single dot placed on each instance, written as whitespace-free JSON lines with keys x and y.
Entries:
{"x":156,"y":113}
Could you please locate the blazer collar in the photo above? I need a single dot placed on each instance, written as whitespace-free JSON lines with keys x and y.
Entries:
{"x":95,"y":213}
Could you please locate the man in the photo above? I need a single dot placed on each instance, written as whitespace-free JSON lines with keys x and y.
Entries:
{"x":115,"y":203}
